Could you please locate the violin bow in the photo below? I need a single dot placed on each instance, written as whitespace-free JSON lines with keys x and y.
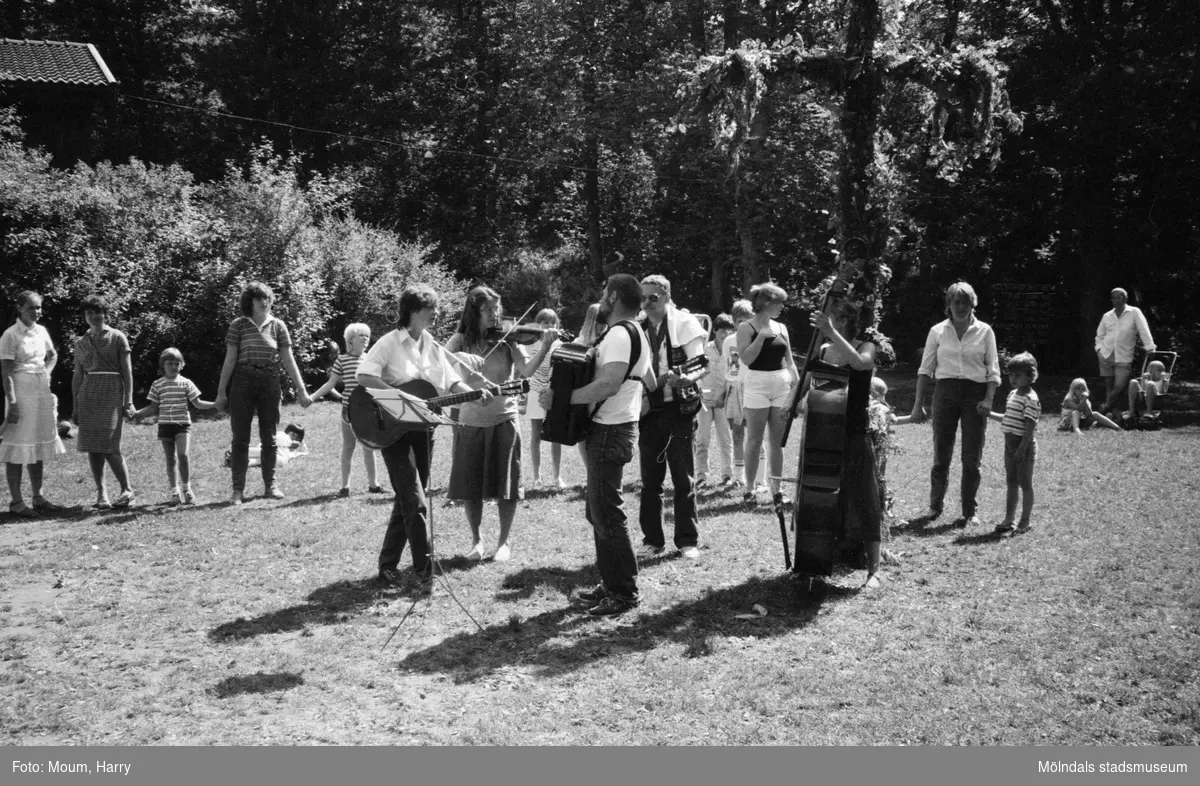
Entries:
{"x":510,"y":329}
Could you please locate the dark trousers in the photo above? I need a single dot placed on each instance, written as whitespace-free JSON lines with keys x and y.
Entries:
{"x":253,"y":392}
{"x":665,"y":442}
{"x":954,"y":406}
{"x":407,"y":462}
{"x":608,"y":450}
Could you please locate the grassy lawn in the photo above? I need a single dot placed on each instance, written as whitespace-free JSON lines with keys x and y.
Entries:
{"x":264,"y":625}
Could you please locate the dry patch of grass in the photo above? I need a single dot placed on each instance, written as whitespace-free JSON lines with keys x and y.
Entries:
{"x":264,"y":625}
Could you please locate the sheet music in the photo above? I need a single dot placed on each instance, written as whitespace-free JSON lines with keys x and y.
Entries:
{"x":407,"y":408}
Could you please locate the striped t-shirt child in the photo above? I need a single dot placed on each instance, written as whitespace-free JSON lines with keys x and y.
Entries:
{"x":1018,"y":409}
{"x":346,"y":367}
{"x":172,"y":397}
{"x":541,"y":377}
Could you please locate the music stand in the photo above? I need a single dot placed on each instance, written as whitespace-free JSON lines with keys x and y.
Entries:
{"x":411,"y":409}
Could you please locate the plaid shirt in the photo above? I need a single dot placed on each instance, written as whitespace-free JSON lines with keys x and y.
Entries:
{"x":258,"y":346}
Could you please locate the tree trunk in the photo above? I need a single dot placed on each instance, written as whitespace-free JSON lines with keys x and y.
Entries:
{"x":863,"y":233}
{"x":591,"y":177}
{"x":751,"y":263}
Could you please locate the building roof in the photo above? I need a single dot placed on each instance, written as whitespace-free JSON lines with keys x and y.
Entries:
{"x":65,"y":63}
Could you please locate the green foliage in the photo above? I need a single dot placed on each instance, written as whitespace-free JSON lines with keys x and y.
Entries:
{"x":172,"y":257}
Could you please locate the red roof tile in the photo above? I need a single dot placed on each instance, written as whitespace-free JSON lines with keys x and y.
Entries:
{"x":28,"y":62}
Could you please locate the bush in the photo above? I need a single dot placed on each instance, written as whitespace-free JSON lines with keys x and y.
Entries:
{"x":172,"y":257}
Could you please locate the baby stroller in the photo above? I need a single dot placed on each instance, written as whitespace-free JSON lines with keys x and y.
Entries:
{"x":1141,"y":420}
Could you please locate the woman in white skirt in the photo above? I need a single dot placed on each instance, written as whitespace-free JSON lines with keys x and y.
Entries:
{"x":30,"y":432}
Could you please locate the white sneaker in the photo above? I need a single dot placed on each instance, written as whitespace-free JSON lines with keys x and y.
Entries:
{"x":503,"y":554}
{"x":690,"y":552}
{"x":476,"y":553}
{"x":646,"y":550}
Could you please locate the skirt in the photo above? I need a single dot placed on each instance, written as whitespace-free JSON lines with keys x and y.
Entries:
{"x":34,"y":437}
{"x":99,"y":414}
{"x":861,"y":508}
{"x":487,"y":463}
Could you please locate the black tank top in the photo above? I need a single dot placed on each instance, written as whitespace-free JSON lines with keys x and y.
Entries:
{"x":770,"y":356}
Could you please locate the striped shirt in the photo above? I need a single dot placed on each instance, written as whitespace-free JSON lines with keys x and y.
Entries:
{"x":258,"y":346}
{"x":541,"y":377}
{"x":346,"y":367}
{"x":172,"y":397}
{"x":1019,"y":409}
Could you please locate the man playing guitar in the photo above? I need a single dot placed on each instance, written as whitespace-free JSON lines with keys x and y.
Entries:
{"x":403,"y":355}
{"x":675,"y":337}
{"x":621,"y":370}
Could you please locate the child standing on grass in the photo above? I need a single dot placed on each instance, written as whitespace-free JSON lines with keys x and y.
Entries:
{"x":880,"y":419}
{"x":711,"y":417}
{"x":1018,"y":424}
{"x":1077,"y":410}
{"x":169,"y":397}
{"x":539,"y":380}
{"x":342,"y":372}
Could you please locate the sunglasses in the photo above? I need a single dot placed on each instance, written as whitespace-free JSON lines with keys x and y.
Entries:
{"x":651,"y":298}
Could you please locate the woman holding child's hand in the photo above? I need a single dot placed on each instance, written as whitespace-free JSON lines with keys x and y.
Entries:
{"x":257,"y":347}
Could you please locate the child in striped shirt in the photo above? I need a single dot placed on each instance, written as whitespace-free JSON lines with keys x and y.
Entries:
{"x":169,"y":397}
{"x":343,"y":372}
{"x":1018,"y":424}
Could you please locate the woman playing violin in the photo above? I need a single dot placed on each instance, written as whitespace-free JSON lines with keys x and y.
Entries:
{"x":861,"y":512}
{"x":487,"y":444}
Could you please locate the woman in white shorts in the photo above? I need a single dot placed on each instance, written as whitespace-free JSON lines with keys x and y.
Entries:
{"x":765,"y":349}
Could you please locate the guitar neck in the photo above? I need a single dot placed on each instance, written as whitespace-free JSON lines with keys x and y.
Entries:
{"x":454,"y":399}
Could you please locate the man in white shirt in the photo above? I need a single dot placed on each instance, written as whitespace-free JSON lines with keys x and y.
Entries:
{"x":665,"y":434}
{"x":622,"y":368}
{"x":1116,"y":340}
{"x":409,"y":353}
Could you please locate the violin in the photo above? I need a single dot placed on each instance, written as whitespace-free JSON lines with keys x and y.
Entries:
{"x":523,"y":335}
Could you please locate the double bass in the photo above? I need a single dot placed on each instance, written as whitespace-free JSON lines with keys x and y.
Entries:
{"x":816,"y":515}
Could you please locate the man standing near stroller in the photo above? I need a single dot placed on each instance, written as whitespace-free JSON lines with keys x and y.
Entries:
{"x":1116,"y":340}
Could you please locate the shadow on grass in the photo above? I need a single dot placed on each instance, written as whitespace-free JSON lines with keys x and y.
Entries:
{"x":332,"y":604}
{"x":565,"y":640}
{"x":257,"y":682}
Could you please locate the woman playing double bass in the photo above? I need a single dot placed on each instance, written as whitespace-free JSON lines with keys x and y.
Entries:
{"x":858,"y":502}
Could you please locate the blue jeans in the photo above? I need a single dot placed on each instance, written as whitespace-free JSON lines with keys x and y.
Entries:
{"x":954,"y":406}
{"x":407,"y":462}
{"x":665,"y":442}
{"x":253,"y":391}
{"x":608,"y":450}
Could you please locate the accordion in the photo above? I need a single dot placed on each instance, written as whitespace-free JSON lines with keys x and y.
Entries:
{"x":571,"y":366}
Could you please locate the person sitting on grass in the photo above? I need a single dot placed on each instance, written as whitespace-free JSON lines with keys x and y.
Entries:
{"x":169,"y":397}
{"x":1077,"y":410}
{"x":1018,"y":424}
{"x":1144,"y":392}
{"x":343,"y":372}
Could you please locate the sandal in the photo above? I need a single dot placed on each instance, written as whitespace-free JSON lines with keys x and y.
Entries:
{"x":24,"y":511}
{"x":43,"y":504}
{"x":126,"y":498}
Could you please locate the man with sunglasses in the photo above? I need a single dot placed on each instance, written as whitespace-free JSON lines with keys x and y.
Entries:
{"x":665,"y":432}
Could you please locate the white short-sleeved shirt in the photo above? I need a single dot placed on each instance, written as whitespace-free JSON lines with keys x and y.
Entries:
{"x":26,"y":347}
{"x":398,"y":358}
{"x":626,"y":405}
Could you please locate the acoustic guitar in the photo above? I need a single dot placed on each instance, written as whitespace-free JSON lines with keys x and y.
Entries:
{"x":685,"y":396}
{"x":377,"y":428}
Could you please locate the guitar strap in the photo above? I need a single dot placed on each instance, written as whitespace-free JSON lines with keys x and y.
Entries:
{"x":657,"y":337}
